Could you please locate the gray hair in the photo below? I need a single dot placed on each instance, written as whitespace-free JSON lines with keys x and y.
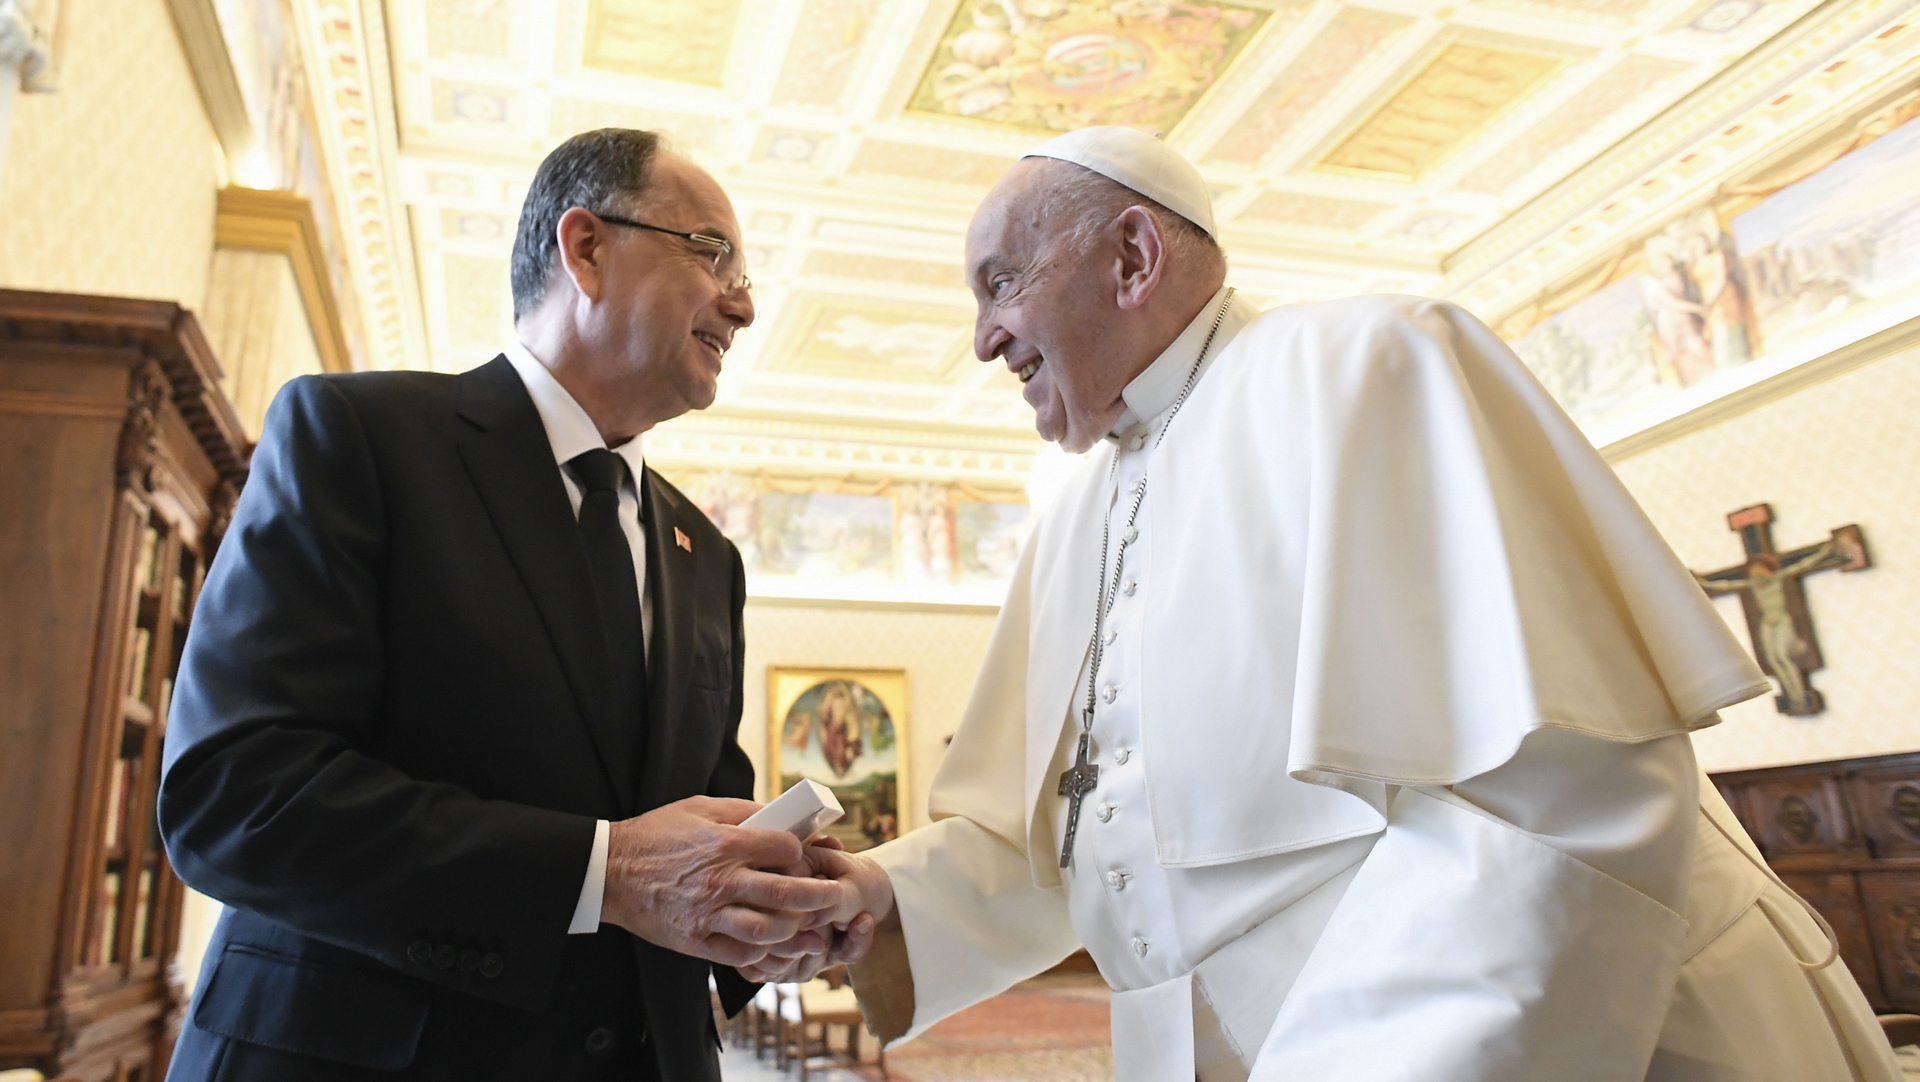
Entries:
{"x":1077,"y":203}
{"x":598,"y":170}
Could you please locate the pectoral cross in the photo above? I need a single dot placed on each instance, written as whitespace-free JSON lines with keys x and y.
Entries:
{"x":1776,"y":604}
{"x":1075,"y":784}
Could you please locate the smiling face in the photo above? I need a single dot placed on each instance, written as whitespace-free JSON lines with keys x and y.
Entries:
{"x":1078,"y":289}
{"x":1042,"y":310}
{"x":663,"y":318}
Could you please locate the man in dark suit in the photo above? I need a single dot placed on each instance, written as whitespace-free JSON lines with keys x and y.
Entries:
{"x":454,"y":737}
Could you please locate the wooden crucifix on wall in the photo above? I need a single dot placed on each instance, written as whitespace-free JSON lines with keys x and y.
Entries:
{"x":1776,"y":603}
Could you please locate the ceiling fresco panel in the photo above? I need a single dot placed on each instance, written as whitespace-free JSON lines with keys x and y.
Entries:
{"x":471,"y":28}
{"x":479,"y":307}
{"x":1317,"y":211}
{"x":1341,"y":47}
{"x":826,"y":47}
{"x":471,"y":105}
{"x":685,"y":131}
{"x":1605,"y":12}
{"x":881,"y":157}
{"x":1455,"y":97}
{"x":1069,"y":64}
{"x":1616,"y":88}
{"x":683,"y":41}
{"x":859,"y":338}
{"x":876,"y":268}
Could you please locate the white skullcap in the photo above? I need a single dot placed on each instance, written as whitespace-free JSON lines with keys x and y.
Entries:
{"x":1138,"y":161}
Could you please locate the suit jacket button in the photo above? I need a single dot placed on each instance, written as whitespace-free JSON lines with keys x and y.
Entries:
{"x":420,"y":952}
{"x":599,"y":1041}
{"x":469,"y":960}
{"x":492,"y":965}
{"x":445,"y":955}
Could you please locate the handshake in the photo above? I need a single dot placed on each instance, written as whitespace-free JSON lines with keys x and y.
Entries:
{"x":686,"y":876}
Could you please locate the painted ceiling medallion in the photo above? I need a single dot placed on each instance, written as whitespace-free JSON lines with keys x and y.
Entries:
{"x":1066,"y":64}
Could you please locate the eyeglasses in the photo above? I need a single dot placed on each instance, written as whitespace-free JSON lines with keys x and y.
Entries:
{"x":726,"y":265}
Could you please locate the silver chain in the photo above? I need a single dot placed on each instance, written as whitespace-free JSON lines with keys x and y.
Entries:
{"x":1103,"y":604}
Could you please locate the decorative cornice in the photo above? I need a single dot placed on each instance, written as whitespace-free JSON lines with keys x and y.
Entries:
{"x":1566,"y":227}
{"x":353,"y":103}
{"x":275,"y":221}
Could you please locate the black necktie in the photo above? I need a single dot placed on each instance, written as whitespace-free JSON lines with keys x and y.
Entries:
{"x":610,"y":561}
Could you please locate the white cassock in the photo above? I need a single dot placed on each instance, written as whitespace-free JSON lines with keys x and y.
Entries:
{"x":1395,"y":780}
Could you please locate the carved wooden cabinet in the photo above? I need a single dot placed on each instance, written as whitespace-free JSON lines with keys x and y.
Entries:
{"x":1846,"y":835}
{"x":119,"y":465}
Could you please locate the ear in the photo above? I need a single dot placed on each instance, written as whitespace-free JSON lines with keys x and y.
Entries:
{"x":582,"y":241}
{"x":1143,"y":256}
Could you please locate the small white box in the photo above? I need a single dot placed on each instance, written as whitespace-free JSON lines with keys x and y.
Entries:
{"x":800,"y":811}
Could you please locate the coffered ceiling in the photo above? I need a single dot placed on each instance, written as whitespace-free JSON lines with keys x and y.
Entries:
{"x":1468,"y":148}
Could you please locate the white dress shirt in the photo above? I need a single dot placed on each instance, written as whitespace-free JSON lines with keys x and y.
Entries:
{"x":572,"y":433}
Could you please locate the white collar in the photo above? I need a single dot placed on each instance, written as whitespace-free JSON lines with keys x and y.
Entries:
{"x":1152,"y":392}
{"x":569,"y":429}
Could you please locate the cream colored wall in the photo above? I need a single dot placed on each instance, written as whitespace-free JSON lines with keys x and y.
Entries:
{"x":939,"y":649}
{"x":109,"y":183}
{"x":1846,"y":450}
{"x":257,"y":325}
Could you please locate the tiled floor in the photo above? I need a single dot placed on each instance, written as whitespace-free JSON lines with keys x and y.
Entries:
{"x":738,"y":1065}
{"x":1052,"y":1029}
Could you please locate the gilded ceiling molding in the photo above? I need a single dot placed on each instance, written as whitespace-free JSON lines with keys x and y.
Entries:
{"x":274,"y":221}
{"x":346,"y":55}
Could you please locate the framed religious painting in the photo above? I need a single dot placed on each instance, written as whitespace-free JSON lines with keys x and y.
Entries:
{"x":847,"y":730}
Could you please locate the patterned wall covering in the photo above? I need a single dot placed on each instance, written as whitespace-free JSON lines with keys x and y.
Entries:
{"x":72,"y":218}
{"x":1837,"y":452}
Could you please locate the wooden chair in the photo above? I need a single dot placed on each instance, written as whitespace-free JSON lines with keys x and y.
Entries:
{"x":1901,"y":1029}
{"x":763,"y":1023}
{"x":824,"y":1002}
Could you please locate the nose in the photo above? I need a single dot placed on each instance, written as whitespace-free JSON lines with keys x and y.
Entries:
{"x":989,"y":339}
{"x":737,"y":306}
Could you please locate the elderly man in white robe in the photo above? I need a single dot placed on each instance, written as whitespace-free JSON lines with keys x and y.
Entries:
{"x":1340,"y":705}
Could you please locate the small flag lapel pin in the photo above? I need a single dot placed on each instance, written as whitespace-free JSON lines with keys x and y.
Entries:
{"x":680,"y":538}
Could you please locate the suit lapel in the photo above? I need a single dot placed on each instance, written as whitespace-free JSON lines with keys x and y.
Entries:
{"x":510,"y":461}
{"x":673,"y":586}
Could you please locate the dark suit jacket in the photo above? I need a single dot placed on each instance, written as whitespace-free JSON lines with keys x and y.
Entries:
{"x":393,"y":732}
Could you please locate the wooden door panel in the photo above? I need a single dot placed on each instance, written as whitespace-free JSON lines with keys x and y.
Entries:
{"x":1837,"y":897}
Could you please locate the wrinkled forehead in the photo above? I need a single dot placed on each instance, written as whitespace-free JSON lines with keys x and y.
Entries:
{"x":683,"y":188}
{"x":1009,"y":220}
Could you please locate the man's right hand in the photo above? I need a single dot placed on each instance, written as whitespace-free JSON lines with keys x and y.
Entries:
{"x":686,"y":877}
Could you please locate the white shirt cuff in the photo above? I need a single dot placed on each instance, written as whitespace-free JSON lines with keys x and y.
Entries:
{"x":586,"y":912}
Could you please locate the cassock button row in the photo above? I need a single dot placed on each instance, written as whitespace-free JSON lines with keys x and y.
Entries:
{"x":469,"y":960}
{"x":1128,"y":587}
{"x":420,"y":952}
{"x":445,"y":955}
{"x":1121,"y":756}
{"x":599,"y":1041}
{"x":1132,"y":534}
{"x":1140,"y":946}
{"x":1136,"y":443}
{"x":1112,"y":634}
{"x":1110,"y":694}
{"x":1105,"y":811}
{"x":492,"y":965}
{"x":1117,"y":880}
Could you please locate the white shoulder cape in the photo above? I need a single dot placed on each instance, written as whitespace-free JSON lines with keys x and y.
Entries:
{"x":1381,"y":555}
